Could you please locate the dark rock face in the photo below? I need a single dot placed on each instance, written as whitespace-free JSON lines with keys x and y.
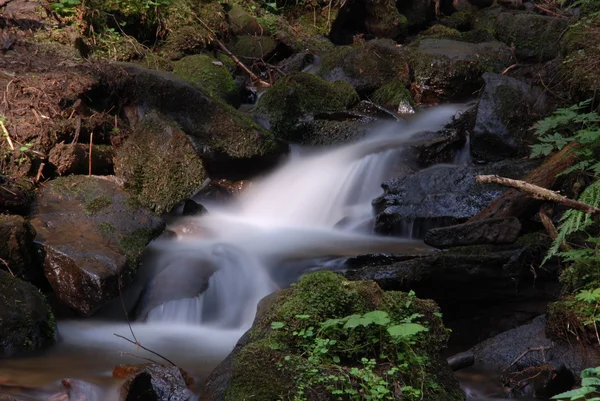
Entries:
{"x":447,"y":68}
{"x":156,"y":383}
{"x":16,"y":247}
{"x":16,"y":197}
{"x":439,"y":196}
{"x":535,"y":37}
{"x":433,"y":148}
{"x":417,"y":12}
{"x":501,"y":230}
{"x":74,"y":159}
{"x":506,"y":110}
{"x":26,"y":321}
{"x":91,"y":234}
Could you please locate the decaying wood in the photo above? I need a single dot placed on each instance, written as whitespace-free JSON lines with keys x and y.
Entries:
{"x":537,"y":192}
{"x":550,"y":228}
{"x":461,"y":361}
{"x":514,"y":202}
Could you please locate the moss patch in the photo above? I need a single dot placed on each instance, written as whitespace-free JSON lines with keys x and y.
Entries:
{"x":208,"y":75}
{"x":301,"y":94}
{"x":582,"y":56}
{"x":97,"y":204}
{"x":393,"y":96}
{"x":441,"y":32}
{"x":270,"y":366}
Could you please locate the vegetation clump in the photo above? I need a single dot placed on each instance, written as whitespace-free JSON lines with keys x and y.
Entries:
{"x":327,"y":338}
{"x":394,"y":96}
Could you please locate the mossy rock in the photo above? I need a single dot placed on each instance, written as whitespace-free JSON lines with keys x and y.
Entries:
{"x":383,"y":20}
{"x":394,"y":96}
{"x":159,"y":164}
{"x":581,"y":274}
{"x":269,"y":364}
{"x":249,"y":47}
{"x":210,"y":76}
{"x":16,"y":247}
{"x":581,"y":52}
{"x":535,"y":37}
{"x":565,"y":321}
{"x":441,"y":32}
{"x":300,"y":94}
{"x":26,"y":321}
{"x":367,"y":67}
{"x":462,"y":20}
{"x":323,"y":132}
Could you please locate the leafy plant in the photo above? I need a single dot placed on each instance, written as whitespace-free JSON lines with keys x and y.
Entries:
{"x":590,"y":387}
{"x":65,"y":7}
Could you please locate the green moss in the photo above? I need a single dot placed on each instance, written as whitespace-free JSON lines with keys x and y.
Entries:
{"x":461,"y":20}
{"x":106,"y":228}
{"x":269,"y":366}
{"x":205,"y":73}
{"x":581,"y":53}
{"x":97,"y":204}
{"x":442,"y":32}
{"x":393,"y":95}
{"x":133,"y":245}
{"x":564,"y":320}
{"x":300,"y":94}
{"x":579,"y":275}
{"x":252,"y":47}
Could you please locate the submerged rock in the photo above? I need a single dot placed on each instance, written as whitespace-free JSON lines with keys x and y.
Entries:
{"x":159,"y":164}
{"x":16,"y":247}
{"x":301,"y":96}
{"x":92,"y":235}
{"x":26,"y":321}
{"x":439,"y":196}
{"x":156,"y":383}
{"x":270,"y":362}
{"x":447,"y":68}
{"x":507,"y":109}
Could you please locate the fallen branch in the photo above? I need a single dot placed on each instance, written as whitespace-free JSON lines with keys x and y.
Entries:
{"x":7,"y":266}
{"x":39,"y":174}
{"x":540,"y":349}
{"x":90,"y":156}
{"x":537,"y":192}
{"x":225,"y":50}
{"x":136,"y":343}
{"x":551,"y":229}
{"x":7,"y":135}
{"x":545,"y":10}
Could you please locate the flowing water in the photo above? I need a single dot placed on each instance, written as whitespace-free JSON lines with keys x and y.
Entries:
{"x":314,"y":208}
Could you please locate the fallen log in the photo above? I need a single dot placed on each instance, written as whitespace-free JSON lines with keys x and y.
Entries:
{"x":513,"y":202}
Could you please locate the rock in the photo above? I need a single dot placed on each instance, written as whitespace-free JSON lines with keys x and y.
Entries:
{"x":370,"y":109}
{"x":482,"y":3}
{"x":299,"y":96}
{"x":191,"y":208}
{"x":325,"y":132}
{"x":125,"y":371}
{"x":394,"y":96}
{"x":446,"y":68}
{"x":74,"y":159}
{"x":26,"y":321}
{"x":156,"y":383}
{"x":242,"y":23}
{"x":267,"y":362}
{"x":501,"y":129}
{"x":535,"y":37}
{"x":209,"y":75}
{"x":16,"y":195}
{"x":16,"y":247}
{"x":159,"y":164}
{"x":7,"y":397}
{"x":367,"y":67}
{"x":226,"y":140}
{"x":501,"y":230}
{"x":499,"y":352}
{"x":91,"y":234}
{"x":221,"y":190}
{"x":252,"y":46}
{"x":433,"y":148}
{"x":439,"y":196}
{"x":417,"y":12}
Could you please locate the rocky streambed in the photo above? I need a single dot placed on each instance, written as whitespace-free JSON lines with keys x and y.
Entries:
{"x":253,"y":147}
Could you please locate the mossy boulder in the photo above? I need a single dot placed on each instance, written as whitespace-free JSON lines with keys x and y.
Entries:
{"x":270,"y":362}
{"x":91,"y":234}
{"x":366,"y":67}
{"x":250,"y":47}
{"x":299,"y":95}
{"x":394,"y":96}
{"x":581,"y":52}
{"x":535,"y":37}
{"x":209,"y":75}
{"x":327,"y":132}
{"x":417,"y":12}
{"x":16,"y":247}
{"x":159,"y":164}
{"x":26,"y":321}
{"x":441,"y":32}
{"x":462,"y":20}
{"x":446,"y":68}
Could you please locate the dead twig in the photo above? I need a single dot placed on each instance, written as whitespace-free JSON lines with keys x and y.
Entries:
{"x":7,"y":135}
{"x":7,"y":266}
{"x":136,"y":343}
{"x":39,"y":174}
{"x":527,"y":351}
{"x":9,"y":191}
{"x":552,"y":13}
{"x":551,"y":229}
{"x":90,"y":155}
{"x":225,"y":50}
{"x":537,"y":192}
{"x":137,"y":356}
{"x":509,"y":68}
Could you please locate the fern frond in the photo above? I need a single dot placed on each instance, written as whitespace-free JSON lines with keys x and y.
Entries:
{"x":575,"y":220}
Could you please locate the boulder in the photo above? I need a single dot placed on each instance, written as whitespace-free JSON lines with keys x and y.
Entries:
{"x":210,"y":76}
{"x":446,"y":68}
{"x":74,"y":159}
{"x":366,"y":67}
{"x":91,"y":234}
{"x":327,"y":130}
{"x":16,"y":247}
{"x":394,"y":96}
{"x":500,"y":230}
{"x":156,"y":383}
{"x":507,"y":109}
{"x":26,"y":321}
{"x":16,"y":195}
{"x":535,"y":37}
{"x":225,"y":139}
{"x":271,"y":362}
{"x":300,"y":96}
{"x":439,"y":196}
{"x":252,"y":46}
{"x":417,"y":12}
{"x":433,"y":148}
{"x":159,"y":164}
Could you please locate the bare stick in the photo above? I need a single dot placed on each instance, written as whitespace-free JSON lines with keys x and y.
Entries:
{"x":517,"y":359}
{"x":39,"y":174}
{"x":552,"y":13}
{"x":144,"y":348}
{"x":9,"y":191}
{"x":137,"y":356}
{"x":8,"y":267}
{"x":225,"y":50}
{"x":537,"y":192}
{"x":90,"y":157}
{"x":6,"y":134}
{"x":550,"y":229}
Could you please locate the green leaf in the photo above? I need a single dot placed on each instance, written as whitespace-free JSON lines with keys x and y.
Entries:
{"x":304,"y":317}
{"x":277,"y":325}
{"x":378,"y":317}
{"x":405,"y":330}
{"x":353,"y":321}
{"x":575,"y":394}
{"x":590,"y":381}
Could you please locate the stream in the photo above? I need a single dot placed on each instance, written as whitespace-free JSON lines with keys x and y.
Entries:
{"x":310,"y":213}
